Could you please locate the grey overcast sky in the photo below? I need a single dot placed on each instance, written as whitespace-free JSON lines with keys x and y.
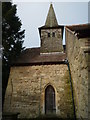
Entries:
{"x":33,"y":15}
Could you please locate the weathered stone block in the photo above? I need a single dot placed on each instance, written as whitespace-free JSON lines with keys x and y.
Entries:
{"x":28,"y":92}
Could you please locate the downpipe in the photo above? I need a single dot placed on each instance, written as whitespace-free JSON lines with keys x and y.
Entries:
{"x":66,"y":62}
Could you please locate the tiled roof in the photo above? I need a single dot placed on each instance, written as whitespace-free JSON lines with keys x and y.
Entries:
{"x":33,"y":56}
{"x":81,"y":31}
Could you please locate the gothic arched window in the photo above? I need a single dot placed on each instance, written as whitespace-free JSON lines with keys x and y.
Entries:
{"x":50,"y":106}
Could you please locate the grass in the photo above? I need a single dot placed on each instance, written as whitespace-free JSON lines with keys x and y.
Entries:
{"x":48,"y":117}
{"x":42,"y":119}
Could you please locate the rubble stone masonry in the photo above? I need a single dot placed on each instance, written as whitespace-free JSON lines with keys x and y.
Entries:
{"x":26,"y":90}
{"x":78,"y":61}
{"x":51,"y":44}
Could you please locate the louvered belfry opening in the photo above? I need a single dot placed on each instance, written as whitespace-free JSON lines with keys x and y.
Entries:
{"x":50,"y":105}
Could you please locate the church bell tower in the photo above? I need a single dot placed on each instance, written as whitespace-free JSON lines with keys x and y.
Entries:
{"x":51,"y":34}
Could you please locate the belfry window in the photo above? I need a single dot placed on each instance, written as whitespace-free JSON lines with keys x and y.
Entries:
{"x":53,"y":34}
{"x":48,"y":34}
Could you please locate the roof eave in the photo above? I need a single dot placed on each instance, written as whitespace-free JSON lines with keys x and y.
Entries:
{"x":38,"y":63}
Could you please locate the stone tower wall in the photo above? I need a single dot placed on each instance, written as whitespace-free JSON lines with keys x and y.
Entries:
{"x":77,"y":58}
{"x":26,"y":90}
{"x":51,"y":44}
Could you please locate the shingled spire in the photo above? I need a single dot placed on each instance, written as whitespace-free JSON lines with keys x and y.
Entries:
{"x":51,"y":34}
{"x":51,"y":20}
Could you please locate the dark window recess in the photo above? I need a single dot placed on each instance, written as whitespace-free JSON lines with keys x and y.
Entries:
{"x":48,"y":34}
{"x":53,"y":34}
{"x":50,"y":106}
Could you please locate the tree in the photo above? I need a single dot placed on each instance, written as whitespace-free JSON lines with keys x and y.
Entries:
{"x":12,"y":39}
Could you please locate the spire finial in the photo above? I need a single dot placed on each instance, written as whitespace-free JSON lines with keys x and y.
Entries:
{"x":50,"y":2}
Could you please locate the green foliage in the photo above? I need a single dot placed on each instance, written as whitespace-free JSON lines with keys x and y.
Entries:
{"x":12,"y":38}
